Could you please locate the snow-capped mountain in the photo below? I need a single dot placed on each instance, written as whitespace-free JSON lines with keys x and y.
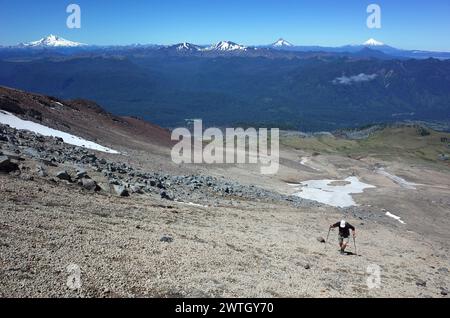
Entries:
{"x":227,"y":46}
{"x":373,"y":42}
{"x":186,"y":47}
{"x":282,"y":43}
{"x":53,"y":41}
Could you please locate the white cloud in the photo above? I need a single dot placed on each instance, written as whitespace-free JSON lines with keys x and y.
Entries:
{"x":346,"y":80}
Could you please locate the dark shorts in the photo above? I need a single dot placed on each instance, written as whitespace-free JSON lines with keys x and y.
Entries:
{"x":343,"y":240}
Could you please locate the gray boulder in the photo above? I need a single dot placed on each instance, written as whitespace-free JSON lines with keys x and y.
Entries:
{"x":6,"y":166}
{"x":121,"y":191}
{"x":421,"y":283}
{"x":12,"y":155}
{"x":89,"y":184}
{"x":137,"y":188}
{"x":167,"y":196}
{"x":81,"y":173}
{"x":166,"y":239}
{"x":63,"y":175}
{"x":41,"y":172}
{"x":33,"y":153}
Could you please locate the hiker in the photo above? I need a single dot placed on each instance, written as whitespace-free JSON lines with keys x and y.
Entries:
{"x":344,"y":233}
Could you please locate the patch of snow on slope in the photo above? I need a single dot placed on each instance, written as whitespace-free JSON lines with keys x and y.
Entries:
{"x":389,"y":214}
{"x":193,"y":204}
{"x":18,"y":123}
{"x":304,"y":161}
{"x":400,"y":181}
{"x":335,"y":195}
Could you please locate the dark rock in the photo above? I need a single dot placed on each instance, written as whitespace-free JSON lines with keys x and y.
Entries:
{"x":6,"y":166}
{"x":307,"y":266}
{"x":137,"y":188}
{"x":89,"y":158}
{"x":81,"y":173}
{"x":13,"y":155}
{"x":421,"y":283}
{"x":166,"y":239}
{"x":41,"y":172}
{"x":63,"y":175}
{"x":320,"y":239}
{"x":161,"y":185}
{"x":89,"y":184}
{"x":33,"y":153}
{"x":26,"y":177}
{"x":114,"y":182}
{"x":121,"y":190}
{"x":167,"y":196}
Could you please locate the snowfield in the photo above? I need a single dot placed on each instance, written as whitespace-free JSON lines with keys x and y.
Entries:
{"x":400,"y":181}
{"x":335,"y":195}
{"x":7,"y":118}
{"x":389,"y":214}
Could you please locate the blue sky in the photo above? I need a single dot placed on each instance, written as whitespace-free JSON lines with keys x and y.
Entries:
{"x":409,"y":24}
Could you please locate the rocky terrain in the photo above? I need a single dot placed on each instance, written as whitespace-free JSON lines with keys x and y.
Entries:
{"x":134,"y":224}
{"x":30,"y":156}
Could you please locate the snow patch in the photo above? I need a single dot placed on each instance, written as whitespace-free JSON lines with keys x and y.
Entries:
{"x":192,"y":204}
{"x":400,"y":181}
{"x":18,"y":123}
{"x":389,"y":214}
{"x":335,"y":195}
{"x":304,"y":161}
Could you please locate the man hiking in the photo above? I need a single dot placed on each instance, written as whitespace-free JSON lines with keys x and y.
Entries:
{"x":344,"y":233}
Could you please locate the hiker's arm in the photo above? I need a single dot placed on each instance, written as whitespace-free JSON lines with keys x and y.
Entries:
{"x":353,"y":230}
{"x":332,"y":226}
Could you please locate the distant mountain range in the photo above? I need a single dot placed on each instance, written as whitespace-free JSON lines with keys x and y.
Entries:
{"x":228,"y":84}
{"x":280,"y":48}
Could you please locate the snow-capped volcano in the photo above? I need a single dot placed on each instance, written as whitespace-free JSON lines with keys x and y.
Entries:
{"x":282,"y":43}
{"x":187,"y":47}
{"x":53,"y":41}
{"x":373,"y":42}
{"x":227,"y":46}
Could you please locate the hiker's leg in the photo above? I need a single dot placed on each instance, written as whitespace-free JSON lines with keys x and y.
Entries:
{"x":345,"y":242}
{"x":344,"y":246}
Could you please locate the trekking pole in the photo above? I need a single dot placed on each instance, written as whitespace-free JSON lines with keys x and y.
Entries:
{"x":326,"y":241}
{"x":354,"y":242}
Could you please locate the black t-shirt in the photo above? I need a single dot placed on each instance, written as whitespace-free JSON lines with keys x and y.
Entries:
{"x":344,"y":231}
